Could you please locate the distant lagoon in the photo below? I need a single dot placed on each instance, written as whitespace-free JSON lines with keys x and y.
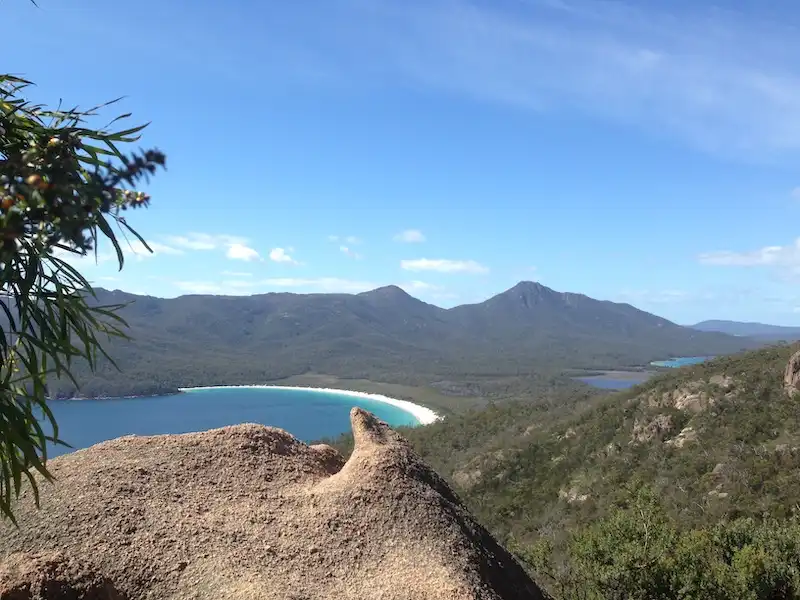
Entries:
{"x":308,"y":414}
{"x":674,"y":363}
{"x":621,"y":380}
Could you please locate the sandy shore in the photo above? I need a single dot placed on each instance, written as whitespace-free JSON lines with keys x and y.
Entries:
{"x":424,"y":415}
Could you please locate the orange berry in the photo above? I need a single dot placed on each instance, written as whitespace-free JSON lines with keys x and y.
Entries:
{"x":8,"y":202}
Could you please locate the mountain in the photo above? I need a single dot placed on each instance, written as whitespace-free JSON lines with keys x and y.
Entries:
{"x":536,"y":320}
{"x":754,"y":330}
{"x":381,"y":335}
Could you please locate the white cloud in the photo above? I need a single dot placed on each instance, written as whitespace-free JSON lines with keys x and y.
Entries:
{"x":419,"y":287}
{"x":236,"y":274}
{"x":349,"y":252}
{"x":280,"y":255}
{"x":410,"y":236}
{"x":225,"y":288}
{"x":235,"y":247}
{"x":205,"y":241}
{"x":237,"y":287}
{"x":668,"y":296}
{"x":242,"y":252}
{"x":198,"y":287}
{"x":347,"y":239}
{"x":322,"y":284}
{"x":141,"y":252}
{"x":442,"y":265}
{"x":725,"y":81}
{"x":768,"y":256}
{"x":428,"y":290}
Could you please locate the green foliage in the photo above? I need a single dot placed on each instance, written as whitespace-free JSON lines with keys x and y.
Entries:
{"x":561,"y":478}
{"x":639,"y":552}
{"x":60,"y":191}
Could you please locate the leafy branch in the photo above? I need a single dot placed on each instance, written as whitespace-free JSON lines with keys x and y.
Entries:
{"x":62,"y":186}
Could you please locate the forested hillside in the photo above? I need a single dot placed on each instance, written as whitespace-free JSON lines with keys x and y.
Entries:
{"x":382,"y":335}
{"x":705,"y":460}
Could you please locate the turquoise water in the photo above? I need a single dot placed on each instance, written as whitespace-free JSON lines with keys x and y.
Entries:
{"x":307,"y":415}
{"x":674,"y":363}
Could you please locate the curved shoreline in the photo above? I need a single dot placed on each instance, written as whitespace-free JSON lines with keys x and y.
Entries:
{"x":423,"y":414}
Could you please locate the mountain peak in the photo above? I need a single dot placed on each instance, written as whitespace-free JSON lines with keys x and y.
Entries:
{"x":529,"y":293}
{"x":387,"y":291}
{"x":529,"y":286}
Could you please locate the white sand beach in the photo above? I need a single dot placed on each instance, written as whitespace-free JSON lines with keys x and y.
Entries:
{"x":424,"y":415}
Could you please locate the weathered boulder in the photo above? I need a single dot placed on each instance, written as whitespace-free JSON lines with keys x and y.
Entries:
{"x":250,"y":512}
{"x":791,"y":377}
{"x":645,"y":429}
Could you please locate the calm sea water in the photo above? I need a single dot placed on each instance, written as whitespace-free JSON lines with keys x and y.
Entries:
{"x":609,"y":382}
{"x":307,"y":415}
{"x":674,"y":363}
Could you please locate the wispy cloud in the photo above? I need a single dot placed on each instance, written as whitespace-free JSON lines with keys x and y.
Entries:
{"x":787,"y":257}
{"x":417,"y":286}
{"x":235,"y":247}
{"x":236,"y":274}
{"x":298,"y":285}
{"x":280,"y":255}
{"x":347,"y":250}
{"x":140,"y":252}
{"x":721,"y":80}
{"x":442,"y":265}
{"x":668,"y":296}
{"x":198,"y":287}
{"x":410,"y":236}
{"x":205,"y":241}
{"x":347,"y":239}
{"x":429,"y":291}
{"x":322,"y":284}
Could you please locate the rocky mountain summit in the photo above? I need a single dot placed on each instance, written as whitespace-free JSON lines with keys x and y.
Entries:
{"x":250,"y":512}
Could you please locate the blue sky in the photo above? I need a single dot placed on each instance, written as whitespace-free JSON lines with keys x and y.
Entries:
{"x":645,"y":152}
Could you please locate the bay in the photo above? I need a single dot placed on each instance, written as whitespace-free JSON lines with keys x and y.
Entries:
{"x":308,"y":415}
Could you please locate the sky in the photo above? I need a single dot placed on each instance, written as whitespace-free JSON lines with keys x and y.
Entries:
{"x":645,"y":152}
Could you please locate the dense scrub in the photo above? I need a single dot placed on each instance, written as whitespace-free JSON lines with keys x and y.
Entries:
{"x":709,"y":454}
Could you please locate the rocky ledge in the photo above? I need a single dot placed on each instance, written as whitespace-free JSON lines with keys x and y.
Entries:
{"x":251,"y":512}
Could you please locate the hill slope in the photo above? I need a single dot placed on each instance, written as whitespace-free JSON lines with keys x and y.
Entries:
{"x":383,"y":335}
{"x":754,"y":330}
{"x":707,"y":454}
{"x":715,"y":440}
